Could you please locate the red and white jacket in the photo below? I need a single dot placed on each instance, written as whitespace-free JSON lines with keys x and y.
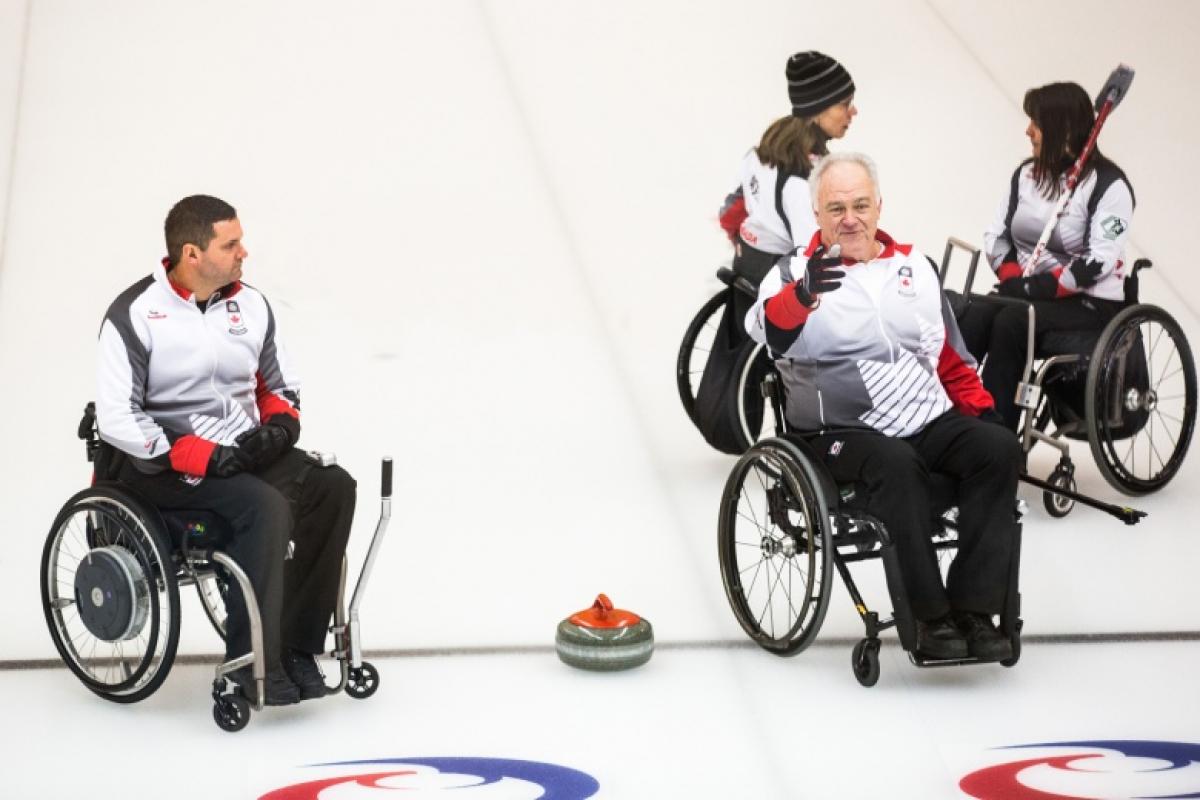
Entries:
{"x":174,"y":381}
{"x":881,"y":351}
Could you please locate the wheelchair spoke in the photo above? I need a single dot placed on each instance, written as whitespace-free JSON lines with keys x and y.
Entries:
{"x":767,"y":607}
{"x":1153,"y":449}
{"x":750,"y":505}
{"x":758,"y":476}
{"x":1167,"y":430}
{"x":1147,"y":336}
{"x":786,"y":593}
{"x":1165,"y":415}
{"x":754,"y":580}
{"x":1162,"y":377}
{"x":753,"y":521}
{"x":756,"y":565}
{"x":1169,"y":375}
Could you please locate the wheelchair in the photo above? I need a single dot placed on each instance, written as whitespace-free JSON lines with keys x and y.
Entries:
{"x":111,"y":571}
{"x":784,"y":526}
{"x":1128,"y":390}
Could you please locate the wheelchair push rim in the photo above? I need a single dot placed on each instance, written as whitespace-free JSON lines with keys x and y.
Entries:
{"x":1141,"y":400}
{"x":130,"y":667}
{"x":774,"y":548}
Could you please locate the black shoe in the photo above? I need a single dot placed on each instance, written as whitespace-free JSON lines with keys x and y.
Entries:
{"x":302,"y":668}
{"x":940,"y":638}
{"x":280,"y":690}
{"x":983,"y":640}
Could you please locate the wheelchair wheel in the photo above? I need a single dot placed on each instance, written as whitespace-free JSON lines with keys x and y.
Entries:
{"x":231,"y":712}
{"x":362,"y":682}
{"x":110,"y":595}
{"x":864,"y":660}
{"x":774,"y":545}
{"x":1141,"y":400}
{"x":1058,"y":505}
{"x":694,"y":349}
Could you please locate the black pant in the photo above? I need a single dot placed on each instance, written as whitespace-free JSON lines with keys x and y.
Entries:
{"x":292,"y":499}
{"x":983,"y":459}
{"x":1001,"y":330}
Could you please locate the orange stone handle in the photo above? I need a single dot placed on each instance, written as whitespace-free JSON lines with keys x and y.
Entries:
{"x":603,"y":615}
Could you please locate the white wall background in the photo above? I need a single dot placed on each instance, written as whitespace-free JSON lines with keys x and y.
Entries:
{"x":484,"y":226}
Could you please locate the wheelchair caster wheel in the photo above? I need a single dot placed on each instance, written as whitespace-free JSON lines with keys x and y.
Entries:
{"x":865,"y":661}
{"x":231,"y":712}
{"x":1057,"y":505}
{"x":361,"y":683}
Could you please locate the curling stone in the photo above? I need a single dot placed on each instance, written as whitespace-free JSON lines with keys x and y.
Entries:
{"x":604,"y":638}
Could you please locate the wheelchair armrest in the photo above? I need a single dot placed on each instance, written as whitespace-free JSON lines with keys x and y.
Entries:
{"x":735,"y":281}
{"x":87,"y":424}
{"x":1141,"y":264}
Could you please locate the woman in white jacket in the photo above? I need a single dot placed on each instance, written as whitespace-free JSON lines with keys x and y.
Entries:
{"x":1079,"y":280}
{"x":771,"y":211}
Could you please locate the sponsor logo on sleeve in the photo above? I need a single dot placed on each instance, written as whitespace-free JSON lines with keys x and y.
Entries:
{"x":1113,"y":227}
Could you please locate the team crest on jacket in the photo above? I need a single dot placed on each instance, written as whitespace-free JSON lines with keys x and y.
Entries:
{"x":237,"y":325}
{"x":906,"y":282}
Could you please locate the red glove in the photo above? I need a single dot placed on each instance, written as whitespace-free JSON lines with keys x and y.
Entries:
{"x":1007,"y":270}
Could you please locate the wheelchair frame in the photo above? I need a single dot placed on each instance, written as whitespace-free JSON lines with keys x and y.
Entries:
{"x":824,"y":528}
{"x":160,"y":566}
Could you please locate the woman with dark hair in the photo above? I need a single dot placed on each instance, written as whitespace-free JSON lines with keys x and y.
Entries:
{"x":771,"y":211}
{"x":1078,"y":282}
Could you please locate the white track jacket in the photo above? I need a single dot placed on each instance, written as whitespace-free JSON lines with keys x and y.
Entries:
{"x":1094,"y":227}
{"x":778,"y":207}
{"x":881,"y":352}
{"x":175,"y":381}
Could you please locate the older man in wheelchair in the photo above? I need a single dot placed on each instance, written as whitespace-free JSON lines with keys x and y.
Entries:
{"x":880,"y":393}
{"x":197,"y":479}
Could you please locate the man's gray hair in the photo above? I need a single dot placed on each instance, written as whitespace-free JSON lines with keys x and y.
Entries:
{"x":862,"y":159}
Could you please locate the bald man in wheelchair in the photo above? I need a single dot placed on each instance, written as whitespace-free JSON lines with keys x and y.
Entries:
{"x":877,"y":379}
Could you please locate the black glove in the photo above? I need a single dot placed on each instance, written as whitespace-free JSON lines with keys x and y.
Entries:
{"x":264,"y":445}
{"x":1043,"y":286}
{"x":226,"y":461}
{"x":821,"y":275}
{"x":1085,"y":272}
